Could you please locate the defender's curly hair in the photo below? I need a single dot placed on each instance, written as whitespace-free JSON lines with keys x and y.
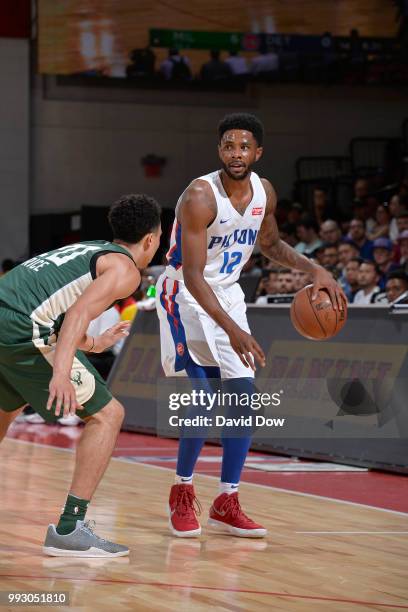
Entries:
{"x":133,"y":216}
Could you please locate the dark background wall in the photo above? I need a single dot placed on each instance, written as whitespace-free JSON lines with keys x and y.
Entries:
{"x":87,"y":150}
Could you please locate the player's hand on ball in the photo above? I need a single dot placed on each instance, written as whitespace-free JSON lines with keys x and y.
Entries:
{"x":111,"y":336}
{"x":62,"y":391}
{"x":322,"y":279}
{"x":247,"y":348}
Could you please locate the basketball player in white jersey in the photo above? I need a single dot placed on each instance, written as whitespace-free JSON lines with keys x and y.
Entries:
{"x":202,"y":312}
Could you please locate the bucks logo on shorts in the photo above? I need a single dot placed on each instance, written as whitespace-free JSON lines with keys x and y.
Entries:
{"x":77,"y":379}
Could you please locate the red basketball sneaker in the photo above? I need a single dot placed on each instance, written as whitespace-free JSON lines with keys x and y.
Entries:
{"x":226,"y":516}
{"x":183,"y":508}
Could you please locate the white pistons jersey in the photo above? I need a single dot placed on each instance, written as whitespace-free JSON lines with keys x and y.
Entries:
{"x":230,"y":237}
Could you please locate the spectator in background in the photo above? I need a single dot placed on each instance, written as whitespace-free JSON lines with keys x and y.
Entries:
{"x":397,"y":205}
{"x":215,"y":69}
{"x":6,"y":266}
{"x":382,"y":223}
{"x":350,"y":284}
{"x":403,"y":249}
{"x":285,"y":281}
{"x":237,"y":64}
{"x":320,"y":204}
{"x":347,"y":250}
{"x":382,"y":253}
{"x":176,"y":67}
{"x":330,"y":232}
{"x":402,"y":221}
{"x":368,"y":277}
{"x":318,"y":254}
{"x":357,"y":234}
{"x":142,"y":63}
{"x":268,"y":285}
{"x":330,"y":256}
{"x":306,"y":231}
{"x":266,"y":63}
{"x":300,"y":280}
{"x":362,"y":210}
{"x":396,"y":285}
{"x":361,"y":189}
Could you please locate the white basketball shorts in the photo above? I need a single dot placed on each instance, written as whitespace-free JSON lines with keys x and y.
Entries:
{"x":186,"y":330}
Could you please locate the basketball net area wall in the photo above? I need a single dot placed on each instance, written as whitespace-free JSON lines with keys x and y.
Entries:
{"x":370,"y":355}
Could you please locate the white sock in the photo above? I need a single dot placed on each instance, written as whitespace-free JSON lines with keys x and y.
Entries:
{"x":228,"y":487}
{"x":187,"y":480}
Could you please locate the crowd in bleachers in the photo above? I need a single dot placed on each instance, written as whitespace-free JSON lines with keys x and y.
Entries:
{"x":366,"y":251}
{"x":352,"y":61}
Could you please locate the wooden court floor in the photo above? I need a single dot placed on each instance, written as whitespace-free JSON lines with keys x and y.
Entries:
{"x":320,"y":555}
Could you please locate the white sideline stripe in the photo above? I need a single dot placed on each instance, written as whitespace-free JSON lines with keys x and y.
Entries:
{"x":250,"y":484}
{"x":353,"y":532}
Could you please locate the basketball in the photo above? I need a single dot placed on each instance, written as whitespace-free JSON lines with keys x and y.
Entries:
{"x":316,"y":320}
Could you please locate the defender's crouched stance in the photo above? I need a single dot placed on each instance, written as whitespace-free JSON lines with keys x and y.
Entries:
{"x":46,"y":305}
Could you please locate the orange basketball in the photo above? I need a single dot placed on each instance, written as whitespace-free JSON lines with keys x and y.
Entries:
{"x":316,"y":320}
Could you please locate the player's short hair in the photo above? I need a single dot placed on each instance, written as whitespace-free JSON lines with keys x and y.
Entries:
{"x":133,"y":216}
{"x":242,"y":121}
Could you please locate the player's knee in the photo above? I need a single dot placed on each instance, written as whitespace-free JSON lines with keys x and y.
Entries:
{"x":113,"y":413}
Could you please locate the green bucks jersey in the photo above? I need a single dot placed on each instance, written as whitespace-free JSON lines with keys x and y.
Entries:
{"x":44,"y":287}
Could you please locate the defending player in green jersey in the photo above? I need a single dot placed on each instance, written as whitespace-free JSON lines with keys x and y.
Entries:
{"x":46,"y":305}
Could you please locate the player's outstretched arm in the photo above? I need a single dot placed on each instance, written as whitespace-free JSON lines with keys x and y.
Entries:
{"x":278,"y":250}
{"x":196,"y":211}
{"x":117,"y":278}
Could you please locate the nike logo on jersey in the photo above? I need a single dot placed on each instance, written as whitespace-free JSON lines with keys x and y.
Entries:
{"x":223,"y":220}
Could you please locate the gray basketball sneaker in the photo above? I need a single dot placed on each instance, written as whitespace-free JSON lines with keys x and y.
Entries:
{"x":82,"y":542}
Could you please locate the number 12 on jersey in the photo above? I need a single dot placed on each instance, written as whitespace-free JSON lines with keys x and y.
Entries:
{"x":231,"y":260}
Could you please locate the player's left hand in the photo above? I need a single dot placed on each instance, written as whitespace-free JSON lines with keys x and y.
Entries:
{"x":322,"y":279}
{"x":111,"y":336}
{"x":62,"y":391}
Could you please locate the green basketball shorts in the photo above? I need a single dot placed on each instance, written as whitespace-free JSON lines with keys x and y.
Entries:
{"x":26,"y":366}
